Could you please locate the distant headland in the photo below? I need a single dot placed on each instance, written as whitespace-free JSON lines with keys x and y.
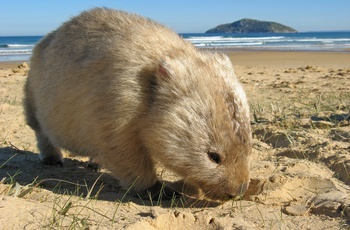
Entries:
{"x":247,"y":25}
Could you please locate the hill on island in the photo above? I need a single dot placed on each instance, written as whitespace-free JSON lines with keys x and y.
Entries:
{"x":247,"y":25}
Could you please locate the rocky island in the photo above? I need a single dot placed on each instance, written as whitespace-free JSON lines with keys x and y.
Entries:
{"x":252,"y":26}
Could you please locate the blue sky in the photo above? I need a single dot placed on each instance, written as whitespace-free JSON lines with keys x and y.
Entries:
{"x":38,"y":17}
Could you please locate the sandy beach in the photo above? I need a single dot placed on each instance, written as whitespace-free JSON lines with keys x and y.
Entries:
{"x":300,"y":113}
{"x":289,"y":58}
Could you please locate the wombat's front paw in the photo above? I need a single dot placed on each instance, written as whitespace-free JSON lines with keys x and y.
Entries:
{"x":158,"y":191}
{"x":93,"y":164}
{"x":52,"y":161}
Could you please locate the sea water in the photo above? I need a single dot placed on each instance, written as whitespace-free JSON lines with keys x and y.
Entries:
{"x":20,"y":48}
{"x":311,"y":41}
{"x":17,"y":47}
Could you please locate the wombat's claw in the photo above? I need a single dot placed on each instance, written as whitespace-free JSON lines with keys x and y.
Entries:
{"x":52,"y":161}
{"x":158,"y":192}
{"x":94,"y":166}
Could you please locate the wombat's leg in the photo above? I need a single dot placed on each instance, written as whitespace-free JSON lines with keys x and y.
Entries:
{"x":49,"y":154}
{"x":133,"y":167}
{"x":158,"y":191}
{"x":93,"y":164}
{"x":136,"y":171}
{"x":29,"y":108}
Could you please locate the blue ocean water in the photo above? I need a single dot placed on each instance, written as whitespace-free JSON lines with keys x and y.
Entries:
{"x":310,"y":41}
{"x":20,"y":48}
{"x":17,"y":47}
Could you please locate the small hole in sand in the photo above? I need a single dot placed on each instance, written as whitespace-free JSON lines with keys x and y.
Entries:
{"x":176,"y":213}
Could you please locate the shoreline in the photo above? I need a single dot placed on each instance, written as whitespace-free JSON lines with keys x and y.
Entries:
{"x":288,"y":58}
{"x":261,"y":49}
{"x":10,"y":64}
{"x":267,"y":58}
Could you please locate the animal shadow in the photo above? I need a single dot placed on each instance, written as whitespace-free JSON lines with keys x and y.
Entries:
{"x":75,"y":177}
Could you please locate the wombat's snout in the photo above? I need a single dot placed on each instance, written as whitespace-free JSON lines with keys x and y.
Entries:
{"x":226,"y":193}
{"x":239,"y":192}
{"x":244,"y":186}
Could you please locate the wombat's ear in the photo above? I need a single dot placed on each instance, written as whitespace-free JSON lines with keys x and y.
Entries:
{"x":164,"y":71}
{"x":222,"y":59}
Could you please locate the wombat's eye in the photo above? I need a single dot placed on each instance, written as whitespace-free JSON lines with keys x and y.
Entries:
{"x":215,"y":157}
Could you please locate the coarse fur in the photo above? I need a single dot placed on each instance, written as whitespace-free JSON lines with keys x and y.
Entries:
{"x":127,"y":92}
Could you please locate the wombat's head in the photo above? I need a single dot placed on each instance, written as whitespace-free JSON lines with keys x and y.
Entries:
{"x":198,"y":124}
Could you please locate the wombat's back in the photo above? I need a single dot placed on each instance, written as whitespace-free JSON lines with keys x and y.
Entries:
{"x":87,"y":38}
{"x":94,"y":67}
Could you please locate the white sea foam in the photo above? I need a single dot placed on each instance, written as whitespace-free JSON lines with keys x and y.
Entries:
{"x":19,"y":45}
{"x":227,"y":44}
{"x":16,"y":49}
{"x":222,"y":38}
{"x":296,"y":42}
{"x":15,"y":52}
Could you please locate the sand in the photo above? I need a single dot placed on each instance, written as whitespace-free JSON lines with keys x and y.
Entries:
{"x":300,"y":104}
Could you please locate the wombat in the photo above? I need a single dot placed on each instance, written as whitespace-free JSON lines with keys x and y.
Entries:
{"x":129,"y":92}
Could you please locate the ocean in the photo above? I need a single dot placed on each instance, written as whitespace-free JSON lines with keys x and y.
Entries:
{"x":20,"y":48}
{"x":310,"y":41}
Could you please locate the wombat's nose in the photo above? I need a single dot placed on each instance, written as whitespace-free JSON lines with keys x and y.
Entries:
{"x":241,"y":189}
{"x":239,"y":192}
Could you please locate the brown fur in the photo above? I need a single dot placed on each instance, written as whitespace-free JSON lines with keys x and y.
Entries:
{"x":127,"y":91}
